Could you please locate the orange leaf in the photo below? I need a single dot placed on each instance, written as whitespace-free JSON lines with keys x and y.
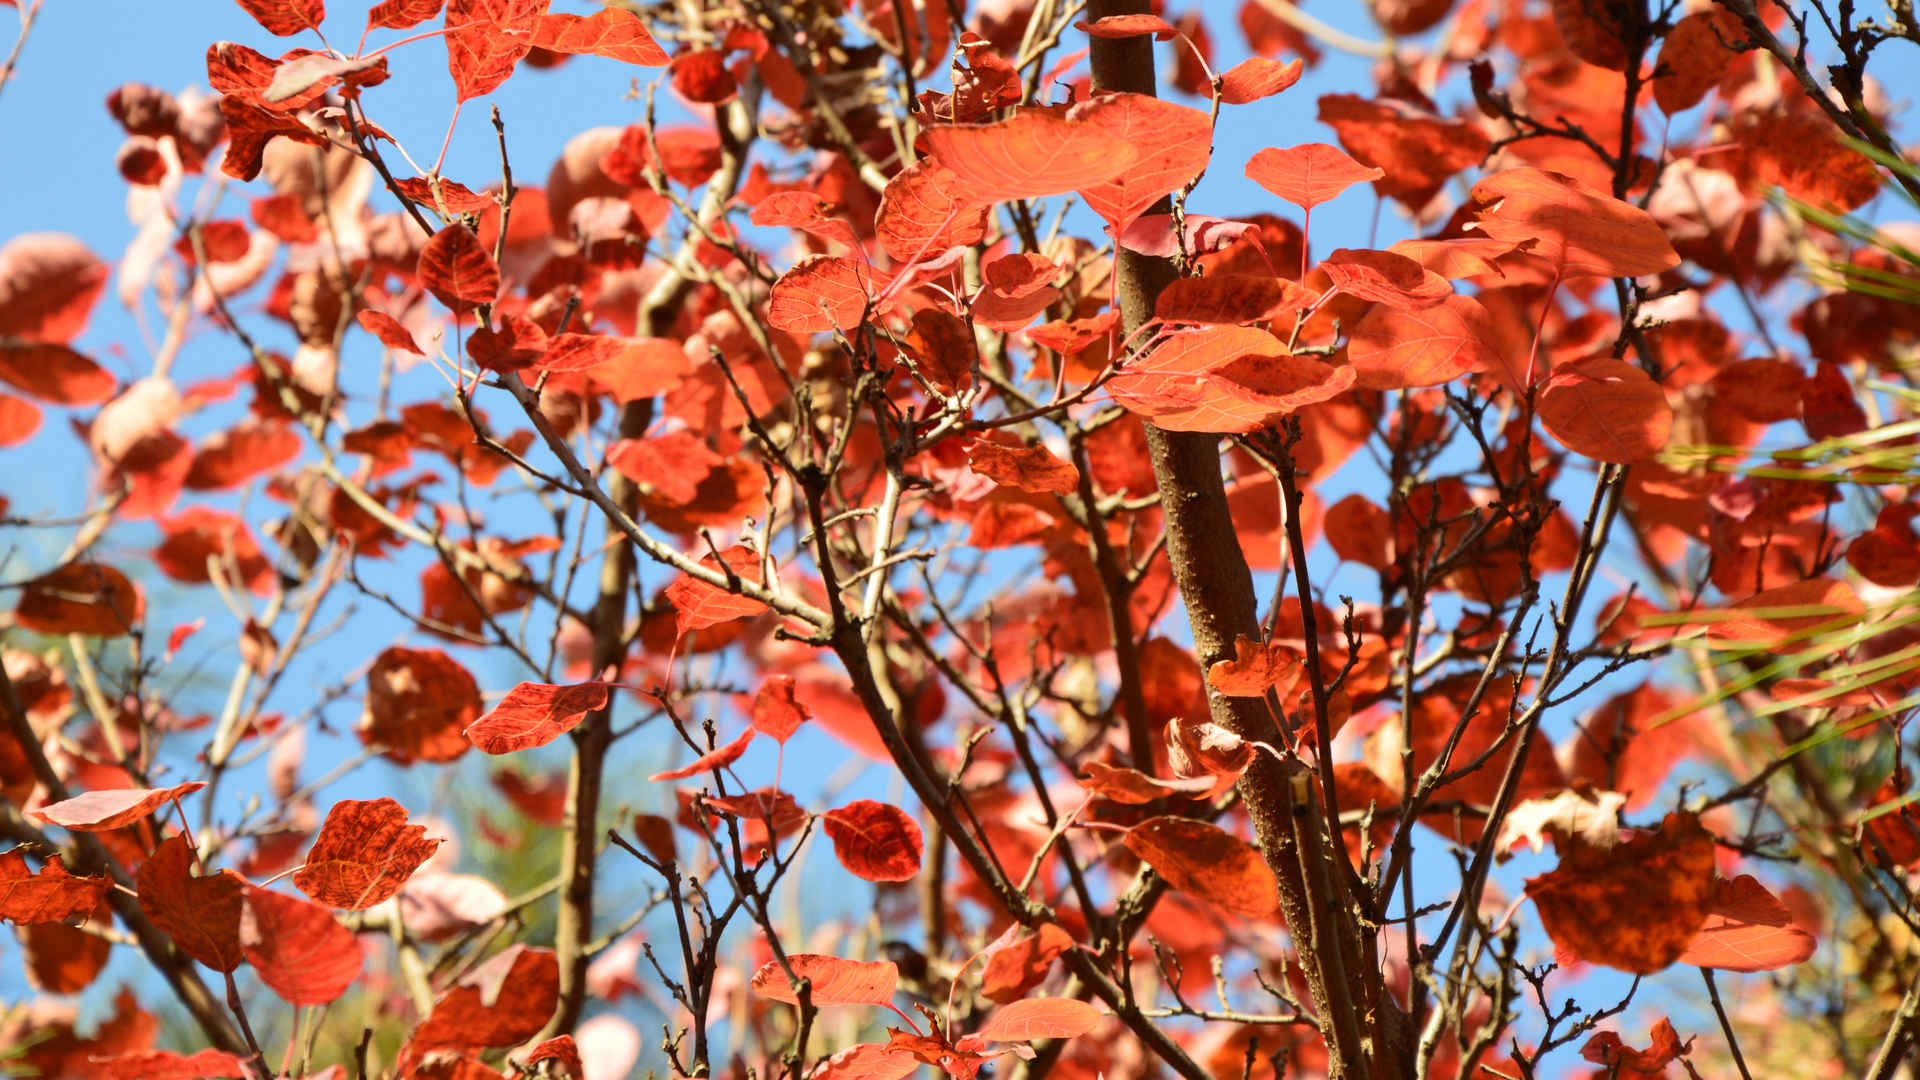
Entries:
{"x":1384,"y":277}
{"x":388,"y":330}
{"x":365,"y":852}
{"x":503,"y":1002}
{"x":1128,"y":26}
{"x":1253,"y":79}
{"x":874,"y":840}
{"x":1579,"y":231}
{"x":830,"y":980}
{"x":700,"y":605}
{"x":1032,"y":154}
{"x":711,"y":760}
{"x":283,"y":18}
{"x":825,"y":292}
{"x":535,"y":714}
{"x":1171,"y":143}
{"x":1131,"y":787}
{"x":1040,"y":1018}
{"x":1393,"y":348}
{"x":615,"y":33}
{"x":1747,"y":929}
{"x":1032,"y":469}
{"x":1607,"y":409}
{"x":925,"y":210}
{"x":1309,"y":174}
{"x":1255,"y":669}
{"x":1208,"y":863}
{"x":1694,"y":58}
{"x":776,"y":712}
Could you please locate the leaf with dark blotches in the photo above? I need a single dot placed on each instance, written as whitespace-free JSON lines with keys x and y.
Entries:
{"x":1207,"y":863}
{"x":874,"y":840}
{"x":535,"y":714}
{"x":830,"y":980}
{"x":365,"y":852}
{"x":114,"y":808}
{"x":1635,"y":907}
{"x":1032,"y":469}
{"x":298,"y":948}
{"x":200,"y":914}
{"x":50,"y":896}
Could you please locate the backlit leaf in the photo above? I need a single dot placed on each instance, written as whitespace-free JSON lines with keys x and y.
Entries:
{"x":612,"y":32}
{"x":1635,"y":907}
{"x":113,"y":808}
{"x":825,"y":292}
{"x":1171,"y":143}
{"x":458,"y":270}
{"x":52,"y":895}
{"x":1032,"y":154}
{"x":283,"y":18}
{"x":1309,"y":174}
{"x":1207,"y":863}
{"x":874,"y":840}
{"x":535,"y":714}
{"x":830,"y":980}
{"x":298,"y":948}
{"x":1040,"y":1018}
{"x":1607,"y":409}
{"x":200,"y":914}
{"x":365,"y":852}
{"x":1747,"y":929}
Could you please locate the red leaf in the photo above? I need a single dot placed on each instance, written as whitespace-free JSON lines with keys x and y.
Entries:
{"x":1171,"y":145}
{"x":825,"y":292}
{"x":1131,"y":787}
{"x":1207,"y":863}
{"x":51,"y":896}
{"x":19,"y":420}
{"x":232,"y":457}
{"x":401,"y":14}
{"x":200,"y":914}
{"x":48,"y":285}
{"x":457,"y":270}
{"x":568,"y":353}
{"x":1384,"y":277}
{"x":1607,"y":409}
{"x":1392,"y":348}
{"x":1308,"y":175}
{"x":875,"y":840}
{"x":1694,"y":58}
{"x":1040,"y":1018}
{"x":1220,"y":299}
{"x":283,"y":18}
{"x":1606,"y":1049}
{"x":700,"y":605}
{"x":388,"y":330}
{"x":925,"y":210}
{"x":1634,"y":907}
{"x":365,"y":852}
{"x":298,"y":948}
{"x":1256,"y":78}
{"x":55,"y":373}
{"x":439,"y":193}
{"x":418,"y":703}
{"x":1578,"y":230}
{"x":711,"y":760}
{"x":500,"y":1003}
{"x":614,"y":33}
{"x":830,"y":980}
{"x":1019,"y":966}
{"x":559,"y":1049}
{"x":535,"y":714}
{"x":701,"y":76}
{"x":1029,"y":468}
{"x":776,"y":712}
{"x":1128,"y":26}
{"x":104,"y":811}
{"x":1747,"y":929}
{"x":485,"y":39}
{"x":167,"y":1065}
{"x":1032,"y":154}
